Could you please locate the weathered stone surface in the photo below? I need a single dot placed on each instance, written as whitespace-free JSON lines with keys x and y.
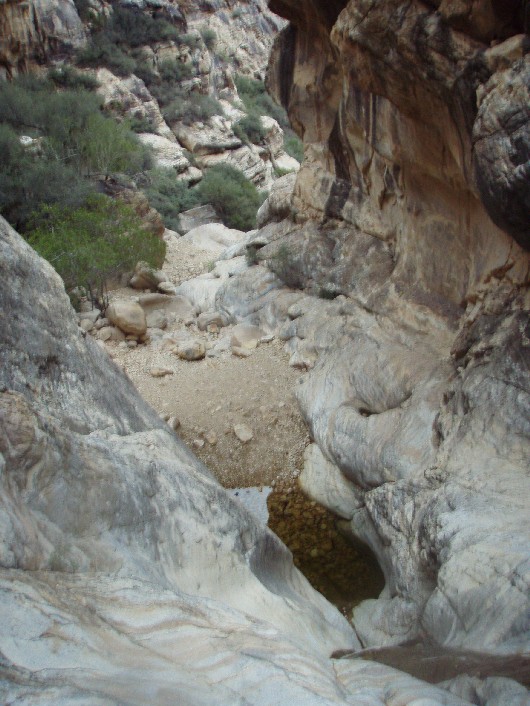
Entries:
{"x":146,"y":277}
{"x":501,"y":149}
{"x":243,"y":432}
{"x":195,"y":217}
{"x":130,"y":97}
{"x":390,"y":215}
{"x":127,"y":316}
{"x":277,"y":205}
{"x":191,"y":350}
{"x":168,"y":153}
{"x":156,"y":319}
{"x":245,"y":336}
{"x":32,"y":32}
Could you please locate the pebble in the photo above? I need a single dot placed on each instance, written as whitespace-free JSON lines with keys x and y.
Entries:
{"x":243,"y":432}
{"x":160,"y":372}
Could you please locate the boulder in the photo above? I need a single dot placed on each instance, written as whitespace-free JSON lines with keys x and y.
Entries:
{"x":246,"y":336}
{"x":128,"y":316}
{"x":146,"y":277}
{"x":191,"y":350}
{"x":198,"y":216}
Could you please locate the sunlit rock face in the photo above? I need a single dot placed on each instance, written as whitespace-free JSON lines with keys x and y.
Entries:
{"x":31,"y":31}
{"x":411,"y":209}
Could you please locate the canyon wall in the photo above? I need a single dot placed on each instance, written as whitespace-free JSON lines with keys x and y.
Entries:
{"x":411,"y":211}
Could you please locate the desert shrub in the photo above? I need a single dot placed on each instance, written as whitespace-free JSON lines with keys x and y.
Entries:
{"x":144,"y":70}
{"x":27,"y":179}
{"x":89,"y":245}
{"x":192,"y":108}
{"x":83,"y":9}
{"x":73,"y":141}
{"x":67,"y":77}
{"x":237,"y":12}
{"x":141,"y":123}
{"x":209,"y":37}
{"x":233,"y":196}
{"x":103,"y":51}
{"x":282,"y":264}
{"x":256,"y":99}
{"x":131,"y":27}
{"x":293,"y":145}
{"x":189,"y":40}
{"x":168,"y":195}
{"x":174,"y":71}
{"x":250,"y":129}
{"x":108,"y":147}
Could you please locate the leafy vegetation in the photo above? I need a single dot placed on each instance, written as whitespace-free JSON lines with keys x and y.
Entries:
{"x":250,"y":129}
{"x":233,"y":196}
{"x":293,"y":145}
{"x":258,"y":102}
{"x":68,"y":142}
{"x":92,"y":244}
{"x":209,"y":37}
{"x":169,"y":196}
{"x":191,"y":108}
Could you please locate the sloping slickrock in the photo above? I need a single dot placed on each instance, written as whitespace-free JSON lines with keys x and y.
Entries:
{"x":127,"y":574}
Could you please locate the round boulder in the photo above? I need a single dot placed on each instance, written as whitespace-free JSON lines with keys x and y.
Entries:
{"x":128,"y":316}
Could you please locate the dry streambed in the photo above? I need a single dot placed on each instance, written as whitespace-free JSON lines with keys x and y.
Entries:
{"x":240,"y":417}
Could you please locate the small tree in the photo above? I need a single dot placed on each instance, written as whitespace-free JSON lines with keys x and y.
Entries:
{"x":91,"y":245}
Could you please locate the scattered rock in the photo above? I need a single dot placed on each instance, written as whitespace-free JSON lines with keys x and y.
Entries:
{"x":209,"y":318}
{"x":127,"y":316}
{"x":211,"y":437}
{"x":145,"y":277}
{"x":199,"y":216}
{"x":241,"y":352}
{"x":191,"y":350}
{"x":160,"y":372}
{"x":243,"y":432}
{"x":174,"y":422}
{"x":156,"y":319}
{"x":86,"y":324}
{"x":166,"y":287}
{"x":246,"y":336}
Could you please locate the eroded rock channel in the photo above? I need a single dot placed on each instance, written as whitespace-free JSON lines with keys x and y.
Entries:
{"x":213,"y":398}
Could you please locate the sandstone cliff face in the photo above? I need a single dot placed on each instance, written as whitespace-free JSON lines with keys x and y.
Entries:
{"x":412,"y":207}
{"x":31,"y":32}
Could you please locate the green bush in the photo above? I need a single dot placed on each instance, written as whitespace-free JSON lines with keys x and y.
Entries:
{"x":73,"y":141}
{"x":189,"y":40}
{"x":250,"y":129}
{"x":67,"y":77}
{"x":90,"y":245}
{"x":103,"y":51}
{"x":168,"y":195}
{"x":233,"y":196}
{"x":192,"y":108}
{"x":256,"y":100}
{"x":209,"y":37}
{"x":173,"y":71}
{"x":293,"y":145}
{"x":133,"y":28}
